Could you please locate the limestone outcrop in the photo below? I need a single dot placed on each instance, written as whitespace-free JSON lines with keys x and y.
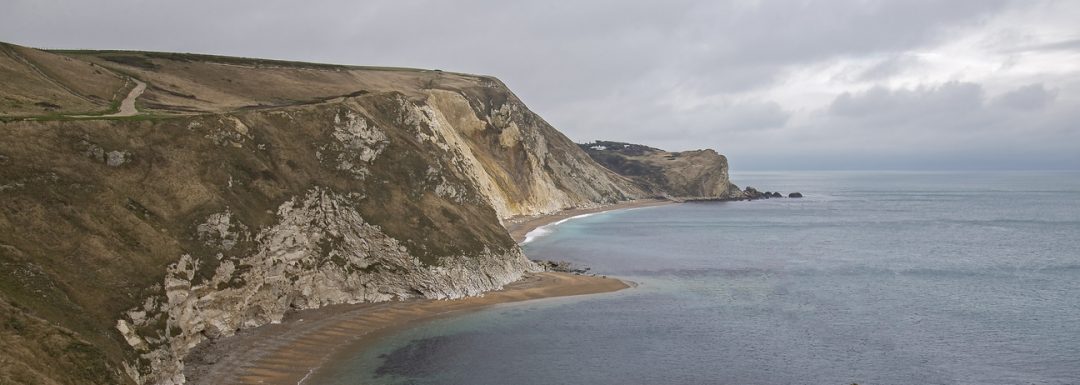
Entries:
{"x":319,"y":252}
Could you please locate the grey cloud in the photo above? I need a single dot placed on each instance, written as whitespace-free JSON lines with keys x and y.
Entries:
{"x":754,"y":116}
{"x":889,"y":67}
{"x":776,"y":31}
{"x":1064,"y":45}
{"x":948,"y":126}
{"x":670,"y":125}
{"x":1029,"y":97}
{"x":882,"y":103}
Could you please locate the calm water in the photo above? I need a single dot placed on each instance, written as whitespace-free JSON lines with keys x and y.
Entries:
{"x":874,"y":278}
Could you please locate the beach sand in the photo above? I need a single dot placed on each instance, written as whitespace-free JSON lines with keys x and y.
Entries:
{"x":290,"y":352}
{"x":287,"y":353}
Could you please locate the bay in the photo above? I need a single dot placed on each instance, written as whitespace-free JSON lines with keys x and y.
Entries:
{"x":872,"y":278}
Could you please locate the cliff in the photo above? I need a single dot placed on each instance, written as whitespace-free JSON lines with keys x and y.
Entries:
{"x":699,"y":174}
{"x":247,"y":188}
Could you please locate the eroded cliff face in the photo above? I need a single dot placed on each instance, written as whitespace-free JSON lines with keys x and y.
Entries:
{"x":319,"y":252}
{"x":522,"y":164}
{"x":154,"y":235}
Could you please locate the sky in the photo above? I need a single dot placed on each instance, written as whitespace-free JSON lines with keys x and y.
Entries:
{"x":774,"y":85}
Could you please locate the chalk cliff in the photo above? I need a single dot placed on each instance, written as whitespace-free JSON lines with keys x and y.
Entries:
{"x":247,"y":188}
{"x":698,"y":174}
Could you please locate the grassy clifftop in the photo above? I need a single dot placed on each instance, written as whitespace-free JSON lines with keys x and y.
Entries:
{"x":191,"y":83}
{"x":39,"y":83}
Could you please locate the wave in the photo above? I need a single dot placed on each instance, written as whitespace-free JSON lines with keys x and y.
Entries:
{"x":546,"y":229}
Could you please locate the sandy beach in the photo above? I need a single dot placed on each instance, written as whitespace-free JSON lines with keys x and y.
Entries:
{"x":520,"y":226}
{"x":291,"y":352}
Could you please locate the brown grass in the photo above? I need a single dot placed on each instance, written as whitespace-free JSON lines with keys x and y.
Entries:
{"x":34,"y":82}
{"x":204,"y":83}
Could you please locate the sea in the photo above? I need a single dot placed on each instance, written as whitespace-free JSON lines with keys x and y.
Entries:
{"x":871,"y":278}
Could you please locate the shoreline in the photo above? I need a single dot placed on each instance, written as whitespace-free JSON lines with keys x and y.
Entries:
{"x":294,"y":350}
{"x":520,"y":226}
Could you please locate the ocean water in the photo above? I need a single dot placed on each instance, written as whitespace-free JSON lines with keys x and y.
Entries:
{"x":873,"y":278}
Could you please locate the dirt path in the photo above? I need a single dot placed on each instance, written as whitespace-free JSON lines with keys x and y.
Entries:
{"x":127,"y":107}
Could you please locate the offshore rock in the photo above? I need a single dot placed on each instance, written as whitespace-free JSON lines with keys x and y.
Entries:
{"x":752,"y":193}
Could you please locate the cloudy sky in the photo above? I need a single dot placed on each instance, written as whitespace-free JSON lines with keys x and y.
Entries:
{"x":839,"y":84}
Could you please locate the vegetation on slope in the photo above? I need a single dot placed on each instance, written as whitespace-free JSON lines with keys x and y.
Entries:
{"x":36,"y":82}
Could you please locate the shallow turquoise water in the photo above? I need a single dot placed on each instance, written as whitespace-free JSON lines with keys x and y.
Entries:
{"x":874,"y":278}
